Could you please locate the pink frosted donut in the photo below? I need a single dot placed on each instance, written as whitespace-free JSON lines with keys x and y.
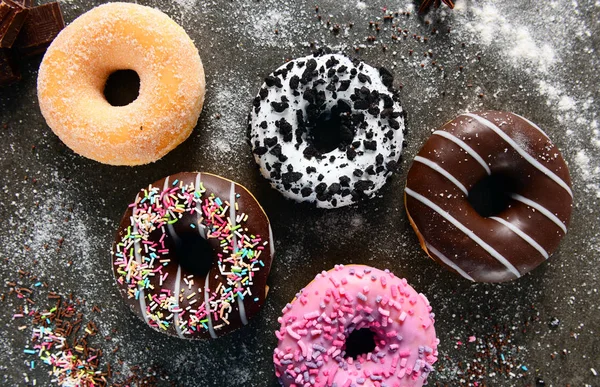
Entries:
{"x":315,"y":327}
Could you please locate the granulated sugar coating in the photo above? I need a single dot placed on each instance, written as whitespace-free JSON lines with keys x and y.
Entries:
{"x":535,"y":58}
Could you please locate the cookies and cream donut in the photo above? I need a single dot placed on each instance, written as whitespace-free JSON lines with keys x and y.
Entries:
{"x":316,"y":329}
{"x":524,"y":231}
{"x":110,"y":38}
{"x":327,"y":129}
{"x":192,"y":255}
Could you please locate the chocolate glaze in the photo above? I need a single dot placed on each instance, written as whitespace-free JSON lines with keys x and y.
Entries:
{"x":512,"y":243}
{"x":257,"y":224}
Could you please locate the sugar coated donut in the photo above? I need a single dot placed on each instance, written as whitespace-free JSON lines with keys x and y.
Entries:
{"x":317,"y":324}
{"x":192,"y":255}
{"x":534,"y":189}
{"x":109,"y":38}
{"x":327,"y":129}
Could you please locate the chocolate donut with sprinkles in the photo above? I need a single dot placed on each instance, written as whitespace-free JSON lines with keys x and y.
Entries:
{"x":192,"y":255}
{"x":489,"y":196}
{"x":356,"y":326}
{"x":327,"y":129}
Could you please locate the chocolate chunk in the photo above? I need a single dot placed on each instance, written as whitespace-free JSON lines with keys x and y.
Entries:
{"x":12,"y":18}
{"x":270,"y":142}
{"x":309,"y":72}
{"x":294,"y":82}
{"x":358,"y":173}
{"x":361,"y":105}
{"x":392,"y":166}
{"x":263,"y":93}
{"x":42,"y":25}
{"x":320,"y":177}
{"x":363,"y":185}
{"x":364,"y":78}
{"x":306,"y":191}
{"x":264,"y":125}
{"x":342,"y":68}
{"x":350,"y":153}
{"x":344,"y":85}
{"x":387,"y":101}
{"x":390,"y":134}
{"x":311,"y":152}
{"x":320,"y":188}
{"x":334,"y":188}
{"x":256,"y":102}
{"x":285,"y":128}
{"x":370,"y":145}
{"x":379,"y":159}
{"x":276,"y":151}
{"x":394,"y":124}
{"x":273,"y":81}
{"x":330,"y":73}
{"x":370,"y":170}
{"x":310,"y":170}
{"x":290,"y":177}
{"x":260,"y":150}
{"x":331,"y":62}
{"x":280,"y":107}
{"x":373,"y":110}
{"x":345,"y":181}
{"x":9,"y":71}
{"x":386,"y":77}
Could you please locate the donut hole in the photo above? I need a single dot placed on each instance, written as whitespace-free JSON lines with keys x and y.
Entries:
{"x":194,"y":254}
{"x":360,"y":342}
{"x":122,"y":87}
{"x":492,"y":194}
{"x":330,"y":130}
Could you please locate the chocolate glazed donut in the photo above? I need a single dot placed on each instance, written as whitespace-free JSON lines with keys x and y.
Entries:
{"x":520,"y":235}
{"x":192,"y":255}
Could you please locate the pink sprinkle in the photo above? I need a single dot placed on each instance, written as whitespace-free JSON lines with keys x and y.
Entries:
{"x":311,"y":315}
{"x":472,"y":339}
{"x":384,"y":312}
{"x":402,"y":316}
{"x":293,"y":334}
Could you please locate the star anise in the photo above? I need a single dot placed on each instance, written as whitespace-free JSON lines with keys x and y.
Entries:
{"x":426,"y":4}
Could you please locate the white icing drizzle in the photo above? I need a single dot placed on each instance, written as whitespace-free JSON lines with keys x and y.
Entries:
{"x":176,"y":293}
{"x":532,"y":124}
{"x":522,"y":152}
{"x":240,"y":301}
{"x":202,"y":231}
{"x":448,"y":262}
{"x":543,"y":210}
{"x":173,"y":234}
{"x":465,"y":147}
{"x":499,"y":257}
{"x":271,"y":242}
{"x":443,"y":172}
{"x":524,"y":236}
{"x":211,"y":330}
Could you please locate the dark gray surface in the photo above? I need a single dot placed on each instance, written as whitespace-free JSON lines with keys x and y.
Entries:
{"x":537,"y":58}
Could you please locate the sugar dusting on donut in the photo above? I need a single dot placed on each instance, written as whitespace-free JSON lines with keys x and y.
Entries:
{"x":171,"y":298}
{"x":466,"y":150}
{"x":316,"y":324}
{"x":294,"y":105}
{"x":122,"y":36}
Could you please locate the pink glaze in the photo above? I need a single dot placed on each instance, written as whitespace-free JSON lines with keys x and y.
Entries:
{"x":315,"y":325}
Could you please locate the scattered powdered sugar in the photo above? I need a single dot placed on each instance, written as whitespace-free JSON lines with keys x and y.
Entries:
{"x":491,"y":26}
